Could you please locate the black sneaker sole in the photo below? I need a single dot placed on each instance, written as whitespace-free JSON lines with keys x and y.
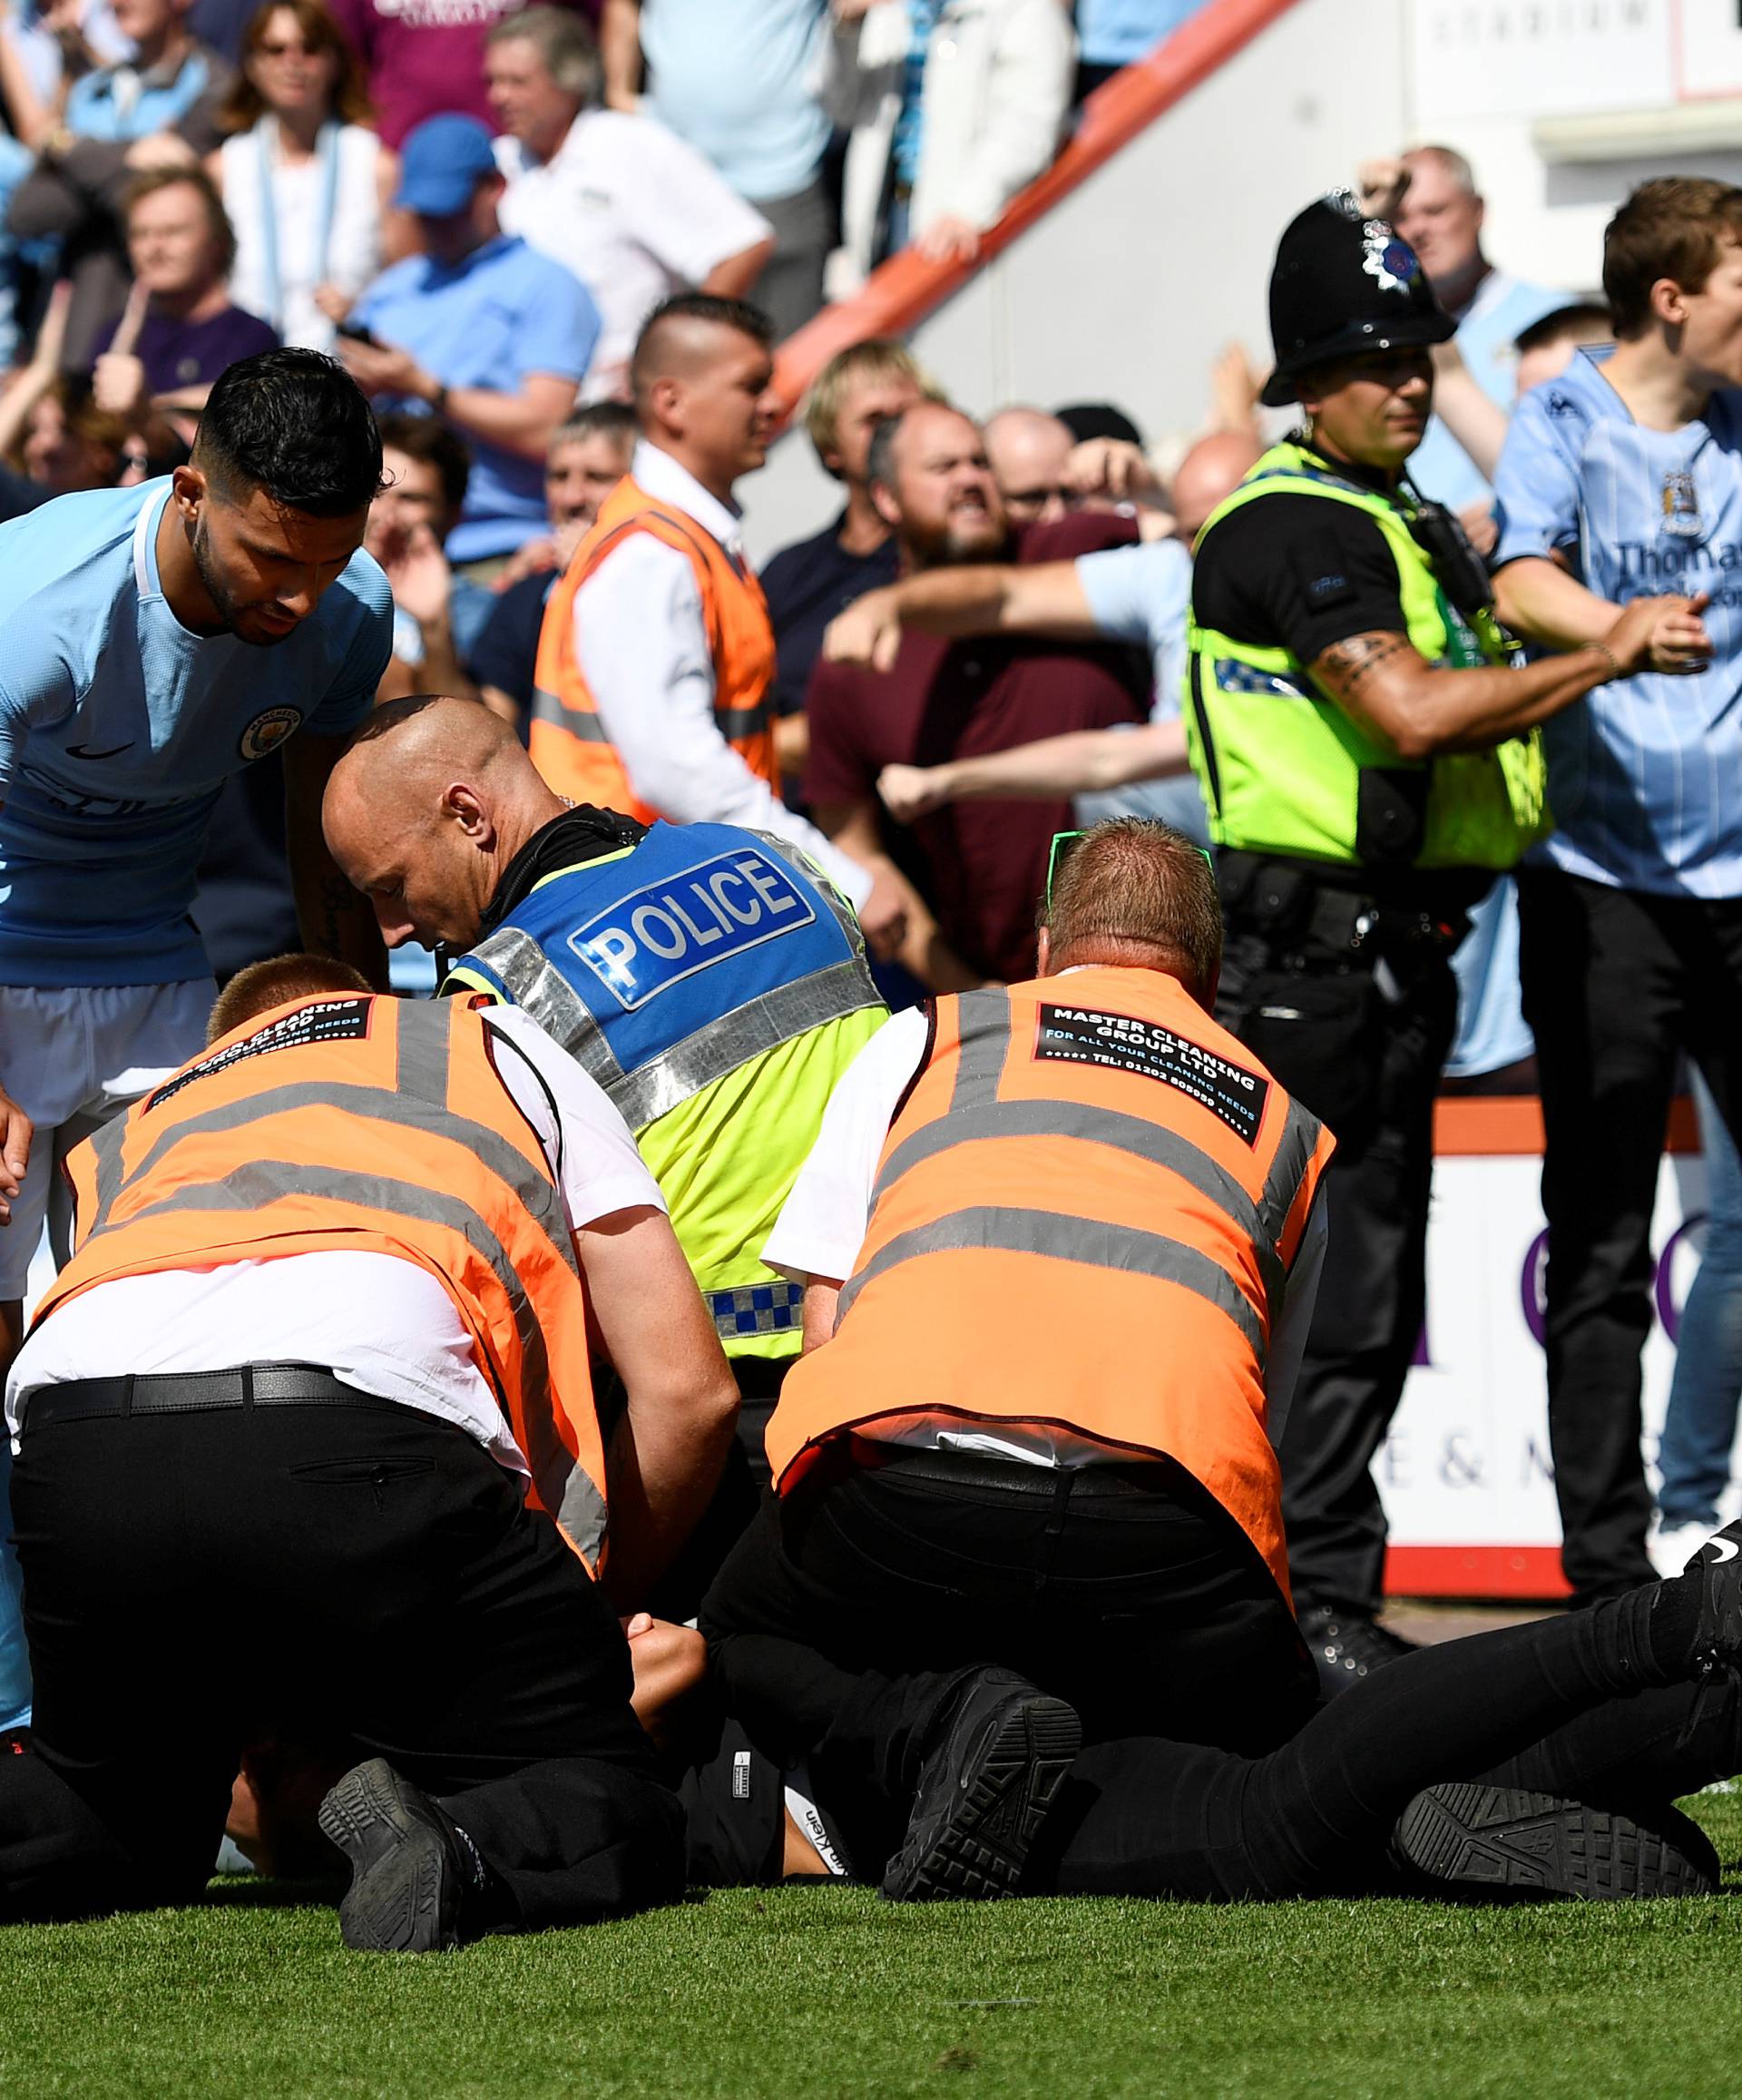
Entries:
{"x":1494,"y":1838}
{"x":1005,"y":1792}
{"x":404,"y":1897}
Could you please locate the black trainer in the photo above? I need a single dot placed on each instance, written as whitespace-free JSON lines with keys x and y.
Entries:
{"x":983,"y":1790}
{"x":1490,"y":1839}
{"x":411,"y":1869}
{"x":1718,"y":1639}
{"x":1347,"y":1647}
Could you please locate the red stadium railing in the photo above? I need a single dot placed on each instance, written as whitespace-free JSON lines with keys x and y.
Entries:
{"x":901,"y":292}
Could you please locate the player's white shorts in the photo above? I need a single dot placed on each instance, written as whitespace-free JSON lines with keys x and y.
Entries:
{"x":71,"y":1057}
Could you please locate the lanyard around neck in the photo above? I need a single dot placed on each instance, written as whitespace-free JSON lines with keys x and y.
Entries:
{"x":266,"y":140}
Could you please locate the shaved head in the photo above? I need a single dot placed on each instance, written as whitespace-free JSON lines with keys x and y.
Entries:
{"x":702,"y":377}
{"x":432,"y":801}
{"x":1209,"y":474}
{"x":1028,"y":450}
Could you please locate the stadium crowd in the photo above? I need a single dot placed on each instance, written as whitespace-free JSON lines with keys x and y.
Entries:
{"x":706,"y":1227}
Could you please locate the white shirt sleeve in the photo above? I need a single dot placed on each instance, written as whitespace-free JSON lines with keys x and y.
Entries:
{"x":680,"y":207}
{"x":822,"y":1225}
{"x":642,"y":643}
{"x":1289,"y":1343}
{"x":590,"y":1149}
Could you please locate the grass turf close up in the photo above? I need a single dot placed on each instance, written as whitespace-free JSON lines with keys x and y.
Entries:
{"x":820,"y":1991}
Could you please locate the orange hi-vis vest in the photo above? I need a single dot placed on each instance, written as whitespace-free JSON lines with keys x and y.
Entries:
{"x":568,"y":742}
{"x":1084,"y":1216}
{"x":354,"y":1124}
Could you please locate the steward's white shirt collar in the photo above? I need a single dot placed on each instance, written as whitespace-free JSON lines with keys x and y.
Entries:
{"x":660,"y":476}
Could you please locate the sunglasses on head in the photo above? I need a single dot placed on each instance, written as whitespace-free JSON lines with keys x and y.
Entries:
{"x":1065,"y":843}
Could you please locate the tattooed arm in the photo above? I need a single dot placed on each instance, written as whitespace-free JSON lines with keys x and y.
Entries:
{"x":1390,"y":688}
{"x":334,"y":919}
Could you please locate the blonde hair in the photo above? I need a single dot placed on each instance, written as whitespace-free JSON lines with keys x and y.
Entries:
{"x":878,"y":357}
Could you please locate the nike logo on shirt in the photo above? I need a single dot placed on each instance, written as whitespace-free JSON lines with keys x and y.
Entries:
{"x":109,"y":750}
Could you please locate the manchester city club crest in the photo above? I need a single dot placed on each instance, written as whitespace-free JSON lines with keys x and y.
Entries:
{"x":1680,"y":506}
{"x":1386,"y":258}
{"x":266,"y":731}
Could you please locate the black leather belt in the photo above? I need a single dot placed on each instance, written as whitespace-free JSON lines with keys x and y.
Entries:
{"x":1012,"y":1476}
{"x":260,"y":1384}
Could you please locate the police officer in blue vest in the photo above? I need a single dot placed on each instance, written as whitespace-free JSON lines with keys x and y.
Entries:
{"x":708,"y":978}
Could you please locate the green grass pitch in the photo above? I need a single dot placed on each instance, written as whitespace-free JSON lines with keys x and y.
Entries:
{"x":818,"y":1991}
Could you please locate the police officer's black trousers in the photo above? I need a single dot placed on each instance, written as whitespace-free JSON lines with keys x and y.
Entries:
{"x":1617,"y":986}
{"x":359,"y":1576}
{"x":1366,"y":1061}
{"x":1125,"y":1589}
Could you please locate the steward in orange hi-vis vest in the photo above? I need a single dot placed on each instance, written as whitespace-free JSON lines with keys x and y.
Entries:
{"x":1085,"y":1214}
{"x":568,"y":742}
{"x":348,"y":1123}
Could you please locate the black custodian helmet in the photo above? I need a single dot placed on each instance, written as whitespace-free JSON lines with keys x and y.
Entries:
{"x":1342,"y":284}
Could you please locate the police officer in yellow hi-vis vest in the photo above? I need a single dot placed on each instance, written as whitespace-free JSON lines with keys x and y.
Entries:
{"x":1366,"y":740}
{"x":707,"y":976}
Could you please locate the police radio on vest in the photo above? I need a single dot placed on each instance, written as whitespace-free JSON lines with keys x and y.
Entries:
{"x":654,"y":937}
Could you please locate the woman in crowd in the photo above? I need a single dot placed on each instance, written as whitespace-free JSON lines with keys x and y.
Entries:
{"x":305,"y":180}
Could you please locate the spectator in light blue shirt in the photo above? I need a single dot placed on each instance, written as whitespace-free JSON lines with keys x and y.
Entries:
{"x":479,"y":329}
{"x":1114,"y":34}
{"x":1622,"y":480}
{"x":1441,"y":217}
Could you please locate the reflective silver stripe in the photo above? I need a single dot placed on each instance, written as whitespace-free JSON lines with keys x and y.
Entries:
{"x":741,"y":721}
{"x":1086,"y":1240}
{"x":258,"y":1183}
{"x":109,"y":1143}
{"x":795,"y":857}
{"x":581,"y":1511}
{"x":586,"y":727}
{"x":985,"y":1019}
{"x":1131,"y":1134}
{"x":538,"y":987}
{"x":1282,"y":1185}
{"x":747,"y":1031}
{"x":377,"y":1105}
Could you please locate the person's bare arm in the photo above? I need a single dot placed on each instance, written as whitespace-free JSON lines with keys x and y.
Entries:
{"x":1084,"y":761}
{"x":665,"y":1457}
{"x":853,"y":826}
{"x":1538,"y":598}
{"x":822,"y":1304}
{"x":733,"y":276}
{"x":1466,"y":411}
{"x":619,"y":49}
{"x":1046,"y":598}
{"x":501,"y":703}
{"x":522,"y":422}
{"x":333,"y":918}
{"x":1389,"y":687}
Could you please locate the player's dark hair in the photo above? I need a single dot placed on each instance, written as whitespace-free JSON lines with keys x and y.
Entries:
{"x":1575,"y":323}
{"x":1675,"y":227}
{"x":428,"y":439}
{"x":297,"y":424}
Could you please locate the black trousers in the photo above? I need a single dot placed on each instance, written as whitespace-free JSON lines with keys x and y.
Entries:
{"x":362,"y":1575}
{"x":1617,"y":985}
{"x":1562,"y":1706}
{"x":1126,"y":1590}
{"x":1366,"y":1061}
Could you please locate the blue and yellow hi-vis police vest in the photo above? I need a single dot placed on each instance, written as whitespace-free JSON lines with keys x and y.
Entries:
{"x":715,"y":986}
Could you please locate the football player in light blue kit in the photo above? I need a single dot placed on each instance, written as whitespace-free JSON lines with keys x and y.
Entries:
{"x":1622,"y":479}
{"x":153,"y":640}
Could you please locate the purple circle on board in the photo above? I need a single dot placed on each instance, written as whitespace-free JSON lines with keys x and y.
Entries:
{"x":1662,"y":1287}
{"x":1530,"y":1285}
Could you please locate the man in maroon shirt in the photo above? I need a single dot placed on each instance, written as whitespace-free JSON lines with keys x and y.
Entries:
{"x":980,"y":865}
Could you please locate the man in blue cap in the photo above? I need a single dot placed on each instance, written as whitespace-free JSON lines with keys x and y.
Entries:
{"x":476,"y":328}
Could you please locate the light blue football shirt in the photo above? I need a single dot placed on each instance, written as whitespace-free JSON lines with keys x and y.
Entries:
{"x":1502,"y":310}
{"x":1645,"y":774}
{"x":1143,"y":595}
{"x":119,"y":726}
{"x":490,"y":320}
